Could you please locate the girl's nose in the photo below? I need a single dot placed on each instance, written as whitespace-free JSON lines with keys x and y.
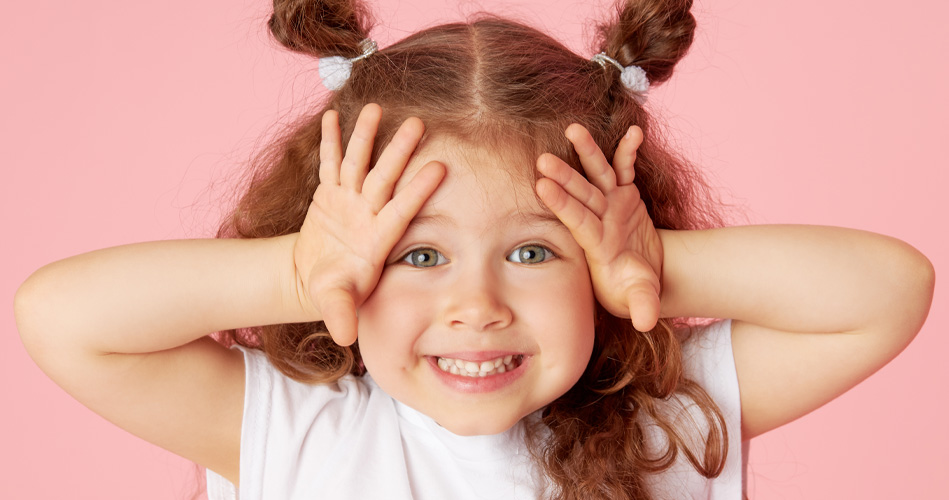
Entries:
{"x":477,"y":303}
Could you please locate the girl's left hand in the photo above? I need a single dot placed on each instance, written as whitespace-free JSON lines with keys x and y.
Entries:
{"x":609,"y":220}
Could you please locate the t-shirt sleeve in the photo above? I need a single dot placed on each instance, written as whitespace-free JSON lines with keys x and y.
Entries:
{"x":284,"y":422}
{"x":708,"y":361}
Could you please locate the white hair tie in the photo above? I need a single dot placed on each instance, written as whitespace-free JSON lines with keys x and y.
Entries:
{"x":633,"y":77}
{"x":335,"y":70}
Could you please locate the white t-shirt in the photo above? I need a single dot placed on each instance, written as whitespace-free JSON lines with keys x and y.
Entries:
{"x":351,"y":440}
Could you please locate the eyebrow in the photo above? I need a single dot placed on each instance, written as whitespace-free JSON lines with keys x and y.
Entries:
{"x":545,"y":217}
{"x":429,"y":220}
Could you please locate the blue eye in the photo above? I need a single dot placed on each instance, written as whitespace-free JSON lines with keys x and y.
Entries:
{"x":530,"y":254}
{"x":424,"y":257}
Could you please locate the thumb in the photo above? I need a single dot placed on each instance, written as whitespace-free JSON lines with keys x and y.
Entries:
{"x":339,"y":315}
{"x":643,"y":300}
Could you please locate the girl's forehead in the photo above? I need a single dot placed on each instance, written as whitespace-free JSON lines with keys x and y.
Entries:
{"x":495,"y":160}
{"x":491,"y":177}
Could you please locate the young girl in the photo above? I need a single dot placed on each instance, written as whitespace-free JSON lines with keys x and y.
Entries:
{"x":455,"y":309}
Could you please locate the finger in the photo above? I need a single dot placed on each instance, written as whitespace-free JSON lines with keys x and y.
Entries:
{"x":644,"y":306}
{"x":381,"y":180}
{"x":585,"y":227}
{"x":331,"y":149}
{"x":598,"y":170}
{"x":405,"y":205}
{"x":355,"y":164}
{"x":339,"y":315}
{"x":573,"y":183}
{"x":624,"y":159}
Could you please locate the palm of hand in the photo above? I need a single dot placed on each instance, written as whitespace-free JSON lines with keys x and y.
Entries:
{"x":355,"y":220}
{"x":627,"y":258}
{"x":609,"y":220}
{"x":341,"y":244}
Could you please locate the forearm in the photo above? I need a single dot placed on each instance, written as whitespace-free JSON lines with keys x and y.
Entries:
{"x":148,"y":297}
{"x":796,"y":278}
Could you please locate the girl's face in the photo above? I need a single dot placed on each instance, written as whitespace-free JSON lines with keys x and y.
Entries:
{"x":484,"y":312}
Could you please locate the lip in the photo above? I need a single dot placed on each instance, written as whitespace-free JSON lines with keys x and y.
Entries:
{"x":479,"y":385}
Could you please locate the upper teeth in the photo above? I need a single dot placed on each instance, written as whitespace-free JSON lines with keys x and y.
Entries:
{"x":477,"y":369}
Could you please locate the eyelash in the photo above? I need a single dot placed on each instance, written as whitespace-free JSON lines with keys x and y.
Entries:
{"x":548,"y":253}
{"x":407,"y":258}
{"x":411,"y":257}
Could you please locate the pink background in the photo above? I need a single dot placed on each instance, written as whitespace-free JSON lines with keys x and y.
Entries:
{"x":122,"y":121}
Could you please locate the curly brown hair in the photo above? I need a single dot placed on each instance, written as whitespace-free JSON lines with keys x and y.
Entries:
{"x":499,"y":83}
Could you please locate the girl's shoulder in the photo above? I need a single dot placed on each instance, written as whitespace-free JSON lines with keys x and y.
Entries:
{"x":707,"y":361}
{"x":283,"y":409}
{"x":707,"y":352}
{"x":289,"y":425}
{"x":264,"y":380}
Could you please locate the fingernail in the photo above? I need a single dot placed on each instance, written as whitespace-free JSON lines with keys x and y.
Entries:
{"x":629,"y":132}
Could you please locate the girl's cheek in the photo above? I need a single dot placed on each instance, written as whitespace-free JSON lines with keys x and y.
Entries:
{"x":397,"y":303}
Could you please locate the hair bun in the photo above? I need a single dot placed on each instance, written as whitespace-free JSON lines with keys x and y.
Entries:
{"x":320,"y":28}
{"x":651,"y":34}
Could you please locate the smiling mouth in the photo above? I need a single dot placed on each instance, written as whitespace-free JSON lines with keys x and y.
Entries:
{"x":480,"y":369}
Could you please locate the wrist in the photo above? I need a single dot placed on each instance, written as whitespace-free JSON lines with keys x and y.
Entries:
{"x":294,"y":302}
{"x":670,"y":301}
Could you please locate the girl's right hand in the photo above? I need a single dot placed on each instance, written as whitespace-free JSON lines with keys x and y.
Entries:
{"x":354,"y":219}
